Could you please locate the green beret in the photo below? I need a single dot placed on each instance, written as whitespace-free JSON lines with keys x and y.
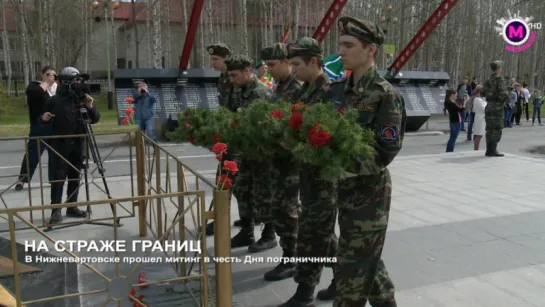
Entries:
{"x":219,"y":50}
{"x":364,"y":30}
{"x":238,"y":62}
{"x":496,"y":64}
{"x":277,"y":51}
{"x":260,"y":63}
{"x":306,"y":46}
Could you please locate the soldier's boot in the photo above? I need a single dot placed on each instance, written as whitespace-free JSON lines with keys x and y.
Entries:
{"x":329,"y":293}
{"x":303,"y":297}
{"x":390,"y":303}
{"x":491,"y":150}
{"x":56,"y":217}
{"x":245,"y":237}
{"x":283,"y":270}
{"x":267,"y":240}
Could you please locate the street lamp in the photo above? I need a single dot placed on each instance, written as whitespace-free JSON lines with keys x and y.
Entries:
{"x":105,"y":6}
{"x":389,"y":49}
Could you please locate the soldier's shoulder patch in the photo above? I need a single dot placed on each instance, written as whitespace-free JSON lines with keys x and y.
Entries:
{"x":383,"y":84}
{"x":388,"y":132}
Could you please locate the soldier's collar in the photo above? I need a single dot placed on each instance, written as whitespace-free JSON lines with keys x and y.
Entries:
{"x":363,"y":83}
{"x":247,"y":91}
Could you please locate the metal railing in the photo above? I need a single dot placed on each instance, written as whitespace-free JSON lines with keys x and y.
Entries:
{"x":171,"y":206}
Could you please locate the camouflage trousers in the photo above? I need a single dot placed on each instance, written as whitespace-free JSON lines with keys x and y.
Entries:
{"x":364,"y":206}
{"x":494,"y":125}
{"x":253,"y":189}
{"x":285,"y":203}
{"x":316,"y":237}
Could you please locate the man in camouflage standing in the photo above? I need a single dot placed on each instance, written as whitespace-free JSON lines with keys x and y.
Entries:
{"x":252,"y":189}
{"x":285,"y":171}
{"x":497,"y":97}
{"x":364,"y":196}
{"x":218,"y":54}
{"x":316,"y":237}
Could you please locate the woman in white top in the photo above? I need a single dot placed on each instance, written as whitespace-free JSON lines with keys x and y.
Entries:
{"x":479,"y":125}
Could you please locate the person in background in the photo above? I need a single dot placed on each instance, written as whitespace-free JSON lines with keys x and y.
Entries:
{"x":469,"y":108}
{"x":263,"y":74}
{"x":537,"y":101}
{"x":144,"y":113}
{"x":509,"y":108}
{"x":518,"y":104}
{"x":36,"y":95}
{"x":474,"y":84}
{"x":479,"y":125}
{"x":526,"y":93}
{"x":455,"y":118}
{"x":463,"y":91}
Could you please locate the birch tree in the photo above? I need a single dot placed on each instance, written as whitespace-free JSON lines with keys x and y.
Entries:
{"x":7,"y":47}
{"x":157,"y":43}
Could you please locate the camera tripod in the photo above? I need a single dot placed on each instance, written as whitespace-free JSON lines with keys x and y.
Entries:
{"x":92,"y":148}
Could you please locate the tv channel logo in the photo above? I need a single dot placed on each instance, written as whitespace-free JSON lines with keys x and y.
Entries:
{"x":519,"y":32}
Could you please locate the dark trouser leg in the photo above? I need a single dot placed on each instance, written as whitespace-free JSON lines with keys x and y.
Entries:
{"x":35,"y":151}
{"x":74,"y":179}
{"x":263,"y":188}
{"x":526,"y":110}
{"x":243,"y":190}
{"x":364,"y":205}
{"x":285,"y":216}
{"x":494,"y":129}
{"x":57,"y":186}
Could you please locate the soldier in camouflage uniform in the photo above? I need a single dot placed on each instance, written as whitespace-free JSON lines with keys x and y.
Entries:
{"x":497,"y":97}
{"x":252,"y":189}
{"x":364,"y":196}
{"x":316,"y":237}
{"x":285,"y":170}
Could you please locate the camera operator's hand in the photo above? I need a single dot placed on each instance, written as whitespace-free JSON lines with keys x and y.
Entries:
{"x":89,"y":101}
{"x":47,"y":116}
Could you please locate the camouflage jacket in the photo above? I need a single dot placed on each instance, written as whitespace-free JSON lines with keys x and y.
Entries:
{"x":225,"y":89}
{"x":316,"y":91}
{"x":243,"y":96}
{"x":496,"y":92}
{"x":287,"y":90}
{"x":382,"y":110}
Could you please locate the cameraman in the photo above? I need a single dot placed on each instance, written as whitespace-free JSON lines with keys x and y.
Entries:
{"x":144,"y":113}
{"x":65,"y":111}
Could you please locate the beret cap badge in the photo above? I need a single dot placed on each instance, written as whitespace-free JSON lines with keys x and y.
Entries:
{"x":211,"y":50}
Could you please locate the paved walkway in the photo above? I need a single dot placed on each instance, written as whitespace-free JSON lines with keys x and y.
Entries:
{"x":465,"y":230}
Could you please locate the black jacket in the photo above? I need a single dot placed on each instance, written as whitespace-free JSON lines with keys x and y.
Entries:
{"x":67,"y":120}
{"x":35,"y":98}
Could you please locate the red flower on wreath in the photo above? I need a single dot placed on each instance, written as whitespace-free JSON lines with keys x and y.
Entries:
{"x":318,"y":137}
{"x":215,"y":138}
{"x":191,"y":139}
{"x":186,"y":113}
{"x":299,"y":107}
{"x":187,"y":124}
{"x":277,"y":114}
{"x":341,"y":110}
{"x":296,"y":121}
{"x":219,"y":149}
{"x":234,"y":124}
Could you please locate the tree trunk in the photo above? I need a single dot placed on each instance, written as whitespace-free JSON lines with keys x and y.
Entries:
{"x":7,"y":47}
{"x":136,"y":39}
{"x":157,"y":46}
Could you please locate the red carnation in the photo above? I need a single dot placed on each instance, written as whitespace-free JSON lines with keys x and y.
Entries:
{"x":296,"y":121}
{"x":126,"y":121}
{"x":219,"y":148}
{"x":129,"y":100}
{"x":341,"y":110}
{"x":187,"y":124}
{"x":129,"y":111}
{"x":215,"y":138}
{"x":224,"y":182}
{"x":277,"y":114}
{"x":186,"y":113}
{"x":318,"y":137}
{"x":230,"y":166}
{"x":233,"y":125}
{"x":191,"y":139}
{"x":298,"y":107}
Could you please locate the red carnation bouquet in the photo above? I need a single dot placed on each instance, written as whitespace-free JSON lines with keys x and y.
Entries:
{"x":226,"y":170}
{"x":129,"y":112}
{"x":325,"y":136}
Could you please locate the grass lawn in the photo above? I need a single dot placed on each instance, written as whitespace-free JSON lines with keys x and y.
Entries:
{"x":14,"y":117}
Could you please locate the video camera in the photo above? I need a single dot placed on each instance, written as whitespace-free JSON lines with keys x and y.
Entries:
{"x":76,"y":86}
